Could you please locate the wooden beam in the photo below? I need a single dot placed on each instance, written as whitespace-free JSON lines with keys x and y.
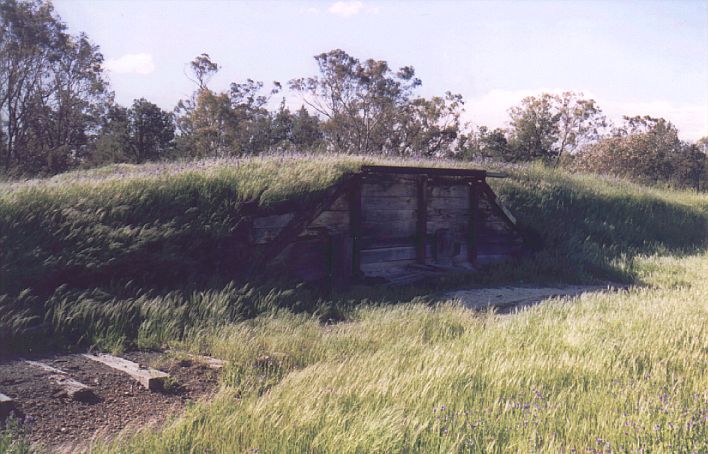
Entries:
{"x":497,"y":205}
{"x":431,"y":171}
{"x":7,"y":405}
{"x":355,"y":224}
{"x":340,"y":258}
{"x":69,"y":387}
{"x":422,"y":218}
{"x":210,"y":362}
{"x":301,"y":220}
{"x":151,"y":379}
{"x":474,"y":222}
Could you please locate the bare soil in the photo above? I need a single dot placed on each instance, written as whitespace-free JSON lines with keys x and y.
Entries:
{"x":60,"y":424}
{"x":510,"y":299}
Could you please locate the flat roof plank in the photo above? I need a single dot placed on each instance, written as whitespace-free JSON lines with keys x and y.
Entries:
{"x":432,"y":171}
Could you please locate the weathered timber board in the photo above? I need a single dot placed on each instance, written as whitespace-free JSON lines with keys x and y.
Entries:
{"x":459,"y":191}
{"x":303,"y":218}
{"x":266,"y":235}
{"x":335,"y":221}
{"x":392,"y":254}
{"x":493,"y":238}
{"x":392,"y":228}
{"x":487,"y":259}
{"x":375,"y":215}
{"x":70,"y":388}
{"x":151,"y":379}
{"x":386,"y":189}
{"x":7,"y":405}
{"x":210,"y":362}
{"x":385,"y":269}
{"x":497,"y":225}
{"x":340,"y":204}
{"x":498,"y":249}
{"x":305,"y":259}
{"x":429,"y":171}
{"x":447,"y":203}
{"x":388,"y":203}
{"x":384,"y":242}
{"x":273,"y":221}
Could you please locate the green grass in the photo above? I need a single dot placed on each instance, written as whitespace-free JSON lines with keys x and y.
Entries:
{"x":136,"y":256}
{"x":619,"y":372}
{"x":128,"y":256}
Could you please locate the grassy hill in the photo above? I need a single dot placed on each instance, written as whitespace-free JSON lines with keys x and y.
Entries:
{"x":100,"y":256}
{"x":616,"y":372}
{"x":130,"y":256}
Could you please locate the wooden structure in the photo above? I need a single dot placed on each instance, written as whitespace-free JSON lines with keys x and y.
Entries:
{"x":393,"y":223}
{"x":69,"y":387}
{"x":151,"y":379}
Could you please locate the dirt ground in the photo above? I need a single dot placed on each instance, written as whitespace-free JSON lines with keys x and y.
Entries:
{"x":510,"y":299}
{"x":60,"y":424}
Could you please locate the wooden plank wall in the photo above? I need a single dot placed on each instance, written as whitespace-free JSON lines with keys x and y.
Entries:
{"x":391,"y":221}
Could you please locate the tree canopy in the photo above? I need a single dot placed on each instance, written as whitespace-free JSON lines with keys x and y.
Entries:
{"x":57,"y":112}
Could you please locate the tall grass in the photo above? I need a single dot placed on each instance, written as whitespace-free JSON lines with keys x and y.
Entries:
{"x":147,"y":256}
{"x":107,"y":256}
{"x":609,"y":372}
{"x":587,"y":227}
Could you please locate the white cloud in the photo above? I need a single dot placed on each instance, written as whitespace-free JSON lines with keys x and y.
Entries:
{"x":351,"y":8}
{"x":492,"y":109}
{"x":310,"y":10}
{"x":131,"y":64}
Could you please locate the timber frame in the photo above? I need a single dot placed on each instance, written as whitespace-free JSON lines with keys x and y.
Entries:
{"x":392,"y":223}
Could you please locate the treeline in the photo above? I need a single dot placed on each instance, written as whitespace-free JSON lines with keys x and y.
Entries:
{"x":57,"y":112}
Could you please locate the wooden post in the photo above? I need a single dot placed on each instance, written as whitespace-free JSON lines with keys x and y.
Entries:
{"x":473,"y":222}
{"x":340,"y":258}
{"x":151,"y":379}
{"x":355,"y":221}
{"x":69,"y":387}
{"x":422,"y":219}
{"x":7,"y":405}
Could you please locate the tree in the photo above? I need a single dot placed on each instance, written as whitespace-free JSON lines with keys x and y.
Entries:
{"x":295,"y":131}
{"x":233,"y":122}
{"x":359,"y":101}
{"x":550,"y":126}
{"x":150,"y":131}
{"x":366,"y":107}
{"x":645,"y":149}
{"x":52,"y":90}
{"x":113,"y":141}
{"x":534,"y":128}
{"x":427,"y":127}
{"x":485,"y":144}
{"x":580,"y":122}
{"x":203,"y":69}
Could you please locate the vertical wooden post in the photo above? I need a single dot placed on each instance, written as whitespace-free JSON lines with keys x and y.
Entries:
{"x":355,"y":221}
{"x":422,"y":218}
{"x":340,"y":258}
{"x":473,"y":221}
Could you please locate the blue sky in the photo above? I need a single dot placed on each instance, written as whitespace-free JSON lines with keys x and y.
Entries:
{"x":633,"y":57}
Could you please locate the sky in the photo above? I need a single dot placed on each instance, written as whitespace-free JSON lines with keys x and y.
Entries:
{"x":634,"y":57}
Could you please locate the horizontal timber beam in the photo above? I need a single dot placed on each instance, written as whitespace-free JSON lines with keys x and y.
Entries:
{"x":431,"y":171}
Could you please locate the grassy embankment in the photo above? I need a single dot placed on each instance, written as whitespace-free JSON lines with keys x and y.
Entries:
{"x":139,"y":255}
{"x":619,"y":371}
{"x":90,"y":257}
